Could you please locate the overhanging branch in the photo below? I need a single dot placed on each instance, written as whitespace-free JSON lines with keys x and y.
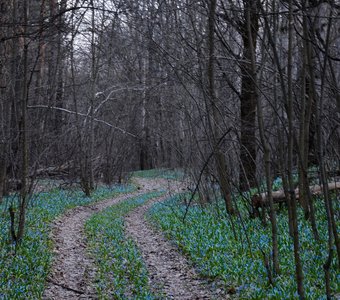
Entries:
{"x":85,"y":116}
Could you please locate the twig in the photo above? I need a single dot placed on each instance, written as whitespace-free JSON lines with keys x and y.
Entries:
{"x":65,"y":286}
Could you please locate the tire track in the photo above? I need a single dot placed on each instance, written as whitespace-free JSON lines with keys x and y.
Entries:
{"x":72,"y":269}
{"x":169,"y":271}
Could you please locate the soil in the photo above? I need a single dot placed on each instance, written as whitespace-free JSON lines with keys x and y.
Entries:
{"x":170,"y":272}
{"x":73,"y":270}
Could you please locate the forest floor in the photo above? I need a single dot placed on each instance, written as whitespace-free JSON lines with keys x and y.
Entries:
{"x":73,"y":271}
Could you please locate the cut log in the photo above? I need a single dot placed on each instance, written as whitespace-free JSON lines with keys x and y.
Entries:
{"x":261,"y":200}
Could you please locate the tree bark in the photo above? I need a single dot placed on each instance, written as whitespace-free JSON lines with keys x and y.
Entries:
{"x":215,"y":127}
{"x":5,"y":111}
{"x":267,"y":161}
{"x":331,"y":222}
{"x":280,"y":196}
{"x":23,"y":132}
{"x":248,"y":96}
{"x":307,"y":102}
{"x":292,"y":199}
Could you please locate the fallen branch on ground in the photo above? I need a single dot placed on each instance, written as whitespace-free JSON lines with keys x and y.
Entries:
{"x":261,"y":200}
{"x":65,"y":287}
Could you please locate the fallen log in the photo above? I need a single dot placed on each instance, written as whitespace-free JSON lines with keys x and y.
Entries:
{"x":54,"y":171}
{"x":261,"y":200}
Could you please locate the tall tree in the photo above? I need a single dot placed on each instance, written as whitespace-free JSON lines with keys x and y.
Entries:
{"x":214,"y":118}
{"x":248,"y":97}
{"x":24,"y":167}
{"x":5,"y":105}
{"x":292,"y":198}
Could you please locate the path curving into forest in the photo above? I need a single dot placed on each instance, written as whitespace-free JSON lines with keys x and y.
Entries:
{"x":73,"y":271}
{"x":169,"y":271}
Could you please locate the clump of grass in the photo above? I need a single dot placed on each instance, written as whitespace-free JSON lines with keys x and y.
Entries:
{"x":23,"y":274}
{"x":121,"y":273}
{"x":207,"y":238}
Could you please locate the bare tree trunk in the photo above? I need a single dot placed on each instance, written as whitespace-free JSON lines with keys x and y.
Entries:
{"x":4,"y":101}
{"x":219,"y":156}
{"x":87,"y":179}
{"x":80,"y":156}
{"x":92,"y":101}
{"x":147,"y":67}
{"x":267,"y":161}
{"x":23,"y":132}
{"x":144,"y":147}
{"x":248,"y":96}
{"x":292,"y":200}
{"x":308,"y":98}
{"x":304,"y":119}
{"x":333,"y":236}
{"x":3,"y":165}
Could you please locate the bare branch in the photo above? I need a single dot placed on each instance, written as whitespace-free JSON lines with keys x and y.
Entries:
{"x":86,"y":116}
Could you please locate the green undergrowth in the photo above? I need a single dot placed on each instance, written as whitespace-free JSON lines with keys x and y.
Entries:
{"x":207,"y":238}
{"x":23,"y":274}
{"x":121,"y":273}
{"x":160,"y":173}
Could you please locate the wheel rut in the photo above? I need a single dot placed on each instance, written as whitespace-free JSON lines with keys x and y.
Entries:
{"x":73,"y":271}
{"x":169,"y":271}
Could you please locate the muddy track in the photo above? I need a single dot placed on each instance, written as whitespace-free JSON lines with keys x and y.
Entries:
{"x":72,"y":269}
{"x":170,"y":272}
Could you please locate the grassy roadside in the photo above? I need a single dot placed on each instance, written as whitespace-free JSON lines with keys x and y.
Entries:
{"x":121,"y":273}
{"x":23,"y":275}
{"x":207,"y":238}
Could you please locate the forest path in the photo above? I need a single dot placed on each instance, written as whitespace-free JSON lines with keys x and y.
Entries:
{"x":73,"y":270}
{"x":169,"y":272}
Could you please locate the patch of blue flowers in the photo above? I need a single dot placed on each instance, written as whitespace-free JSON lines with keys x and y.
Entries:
{"x":23,"y":274}
{"x":236,"y":257}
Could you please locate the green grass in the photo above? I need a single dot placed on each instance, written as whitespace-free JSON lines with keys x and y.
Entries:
{"x":159,"y":173}
{"x":121,"y":273}
{"x":22,"y":276}
{"x":207,"y":238}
